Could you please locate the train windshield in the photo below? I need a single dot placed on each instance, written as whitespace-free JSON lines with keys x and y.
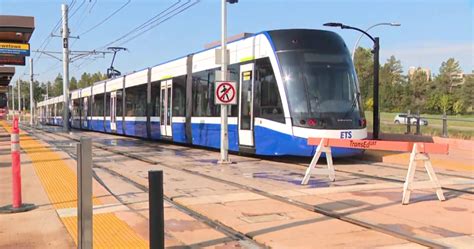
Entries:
{"x":3,"y":100}
{"x":322,"y":89}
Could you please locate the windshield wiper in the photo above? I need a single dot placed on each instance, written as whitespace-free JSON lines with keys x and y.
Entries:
{"x":354,"y":104}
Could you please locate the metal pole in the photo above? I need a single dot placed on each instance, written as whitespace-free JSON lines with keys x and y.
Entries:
{"x":408,"y":122}
{"x":418,"y":129}
{"x":224,"y":129}
{"x":31,"y":91}
{"x":156,"y":211}
{"x":65,"y":36}
{"x":376,"y":89}
{"x":367,"y":30}
{"x":84,"y":189}
{"x":445,"y":125}
{"x":19,"y":98}
{"x":13,"y":100}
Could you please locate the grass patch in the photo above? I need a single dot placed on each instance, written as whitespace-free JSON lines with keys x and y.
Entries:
{"x":458,"y":126}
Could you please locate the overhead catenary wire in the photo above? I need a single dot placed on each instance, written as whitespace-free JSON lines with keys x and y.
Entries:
{"x":158,"y":23}
{"x":73,"y":12}
{"x":93,"y":5}
{"x":105,"y":19}
{"x":145,"y":24}
{"x":49,"y":37}
{"x":151,"y":20}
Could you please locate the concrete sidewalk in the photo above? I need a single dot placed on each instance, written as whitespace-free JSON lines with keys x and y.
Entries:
{"x":364,"y":191}
{"x":49,"y":180}
{"x":39,"y":228}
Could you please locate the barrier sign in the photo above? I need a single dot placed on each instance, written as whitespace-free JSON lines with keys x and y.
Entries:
{"x":226,"y":93}
{"x":8,"y":48}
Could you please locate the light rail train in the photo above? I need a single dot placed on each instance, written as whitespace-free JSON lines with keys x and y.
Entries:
{"x":292,"y":84}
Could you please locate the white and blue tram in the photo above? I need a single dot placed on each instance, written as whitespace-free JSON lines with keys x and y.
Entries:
{"x":292,"y":84}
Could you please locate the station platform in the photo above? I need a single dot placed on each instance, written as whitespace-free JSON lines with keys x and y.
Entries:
{"x":258,"y":198}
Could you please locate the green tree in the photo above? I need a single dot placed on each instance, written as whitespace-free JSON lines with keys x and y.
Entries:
{"x":57,"y":87}
{"x":446,"y":79}
{"x":419,"y":85}
{"x":467,"y":93}
{"x":458,"y":106}
{"x":444,"y":103}
{"x":84,"y":81}
{"x":73,"y":84}
{"x":364,"y":66}
{"x":391,"y":85}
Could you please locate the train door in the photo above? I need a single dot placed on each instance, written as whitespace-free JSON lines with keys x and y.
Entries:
{"x":84,"y":113}
{"x":113,"y":111}
{"x":246,"y":105}
{"x":166,"y":101}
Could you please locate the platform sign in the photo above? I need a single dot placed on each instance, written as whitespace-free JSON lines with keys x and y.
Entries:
{"x":8,"y":48}
{"x":226,"y":93}
{"x":12,"y":60}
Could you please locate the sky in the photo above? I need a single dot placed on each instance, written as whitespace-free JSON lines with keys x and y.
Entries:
{"x":431,"y":31}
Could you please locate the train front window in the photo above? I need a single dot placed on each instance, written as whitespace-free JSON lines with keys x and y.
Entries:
{"x":321,"y":88}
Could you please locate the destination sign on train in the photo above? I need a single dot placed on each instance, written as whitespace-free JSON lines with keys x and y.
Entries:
{"x":9,"y":48}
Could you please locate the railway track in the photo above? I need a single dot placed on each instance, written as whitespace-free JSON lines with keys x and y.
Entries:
{"x":326,"y":212}
{"x":229,"y":232}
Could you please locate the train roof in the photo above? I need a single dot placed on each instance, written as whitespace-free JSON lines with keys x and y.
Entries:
{"x":280,"y":39}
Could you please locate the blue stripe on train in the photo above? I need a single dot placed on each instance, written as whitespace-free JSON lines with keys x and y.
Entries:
{"x":209,"y":135}
{"x":270,"y":142}
{"x":136,"y":128}
{"x":267,"y":142}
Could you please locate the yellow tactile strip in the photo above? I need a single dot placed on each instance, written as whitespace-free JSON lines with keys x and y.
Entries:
{"x":60,"y":183}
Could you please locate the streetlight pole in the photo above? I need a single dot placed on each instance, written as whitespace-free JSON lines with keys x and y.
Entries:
{"x":65,"y":36}
{"x":31,"y":92}
{"x":224,"y":124}
{"x":224,"y":158}
{"x":375,"y":51}
{"x":393,"y":24}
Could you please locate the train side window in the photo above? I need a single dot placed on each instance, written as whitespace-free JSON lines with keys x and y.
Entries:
{"x":155,"y":99}
{"x":201,"y":97}
{"x":135,"y":101}
{"x":118,"y":103}
{"x":107,"y":104}
{"x":234,"y":73}
{"x":75,"y":108}
{"x":59,"y":109}
{"x":179,"y":96}
{"x":269,"y":96}
{"x":98,"y":110}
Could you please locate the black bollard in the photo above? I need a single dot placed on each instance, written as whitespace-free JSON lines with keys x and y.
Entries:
{"x":408,"y":119}
{"x":156,"y":212}
{"x":418,"y":129}
{"x":445,"y":125}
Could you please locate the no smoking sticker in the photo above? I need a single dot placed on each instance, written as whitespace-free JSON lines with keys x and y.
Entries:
{"x":225,"y":93}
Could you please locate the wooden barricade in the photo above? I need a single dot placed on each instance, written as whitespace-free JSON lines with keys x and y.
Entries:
{"x":419,"y":152}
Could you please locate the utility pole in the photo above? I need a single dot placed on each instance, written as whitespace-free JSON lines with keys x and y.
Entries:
{"x":65,"y":36}
{"x":19,"y":98}
{"x":31,"y":92}
{"x":376,"y":113}
{"x":224,"y":124}
{"x":13,"y":99}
